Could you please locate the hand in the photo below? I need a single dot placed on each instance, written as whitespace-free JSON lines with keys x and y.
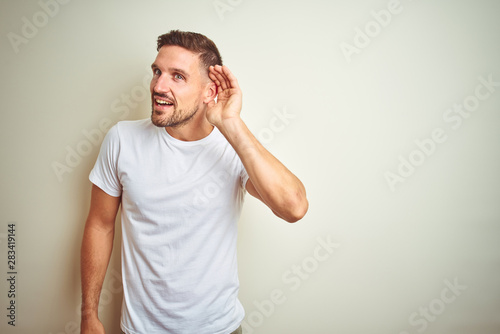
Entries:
{"x":92,"y":327}
{"x":228,"y":99}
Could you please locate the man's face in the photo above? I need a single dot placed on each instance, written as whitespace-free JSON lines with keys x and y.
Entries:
{"x":176,"y":87}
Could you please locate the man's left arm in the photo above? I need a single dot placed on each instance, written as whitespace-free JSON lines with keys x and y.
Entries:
{"x":269,"y":180}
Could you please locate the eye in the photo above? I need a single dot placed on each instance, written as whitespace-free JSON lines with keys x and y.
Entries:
{"x":178,"y":76}
{"x":156,"y":71}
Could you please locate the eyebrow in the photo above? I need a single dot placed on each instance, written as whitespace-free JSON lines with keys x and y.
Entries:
{"x":172,"y":70}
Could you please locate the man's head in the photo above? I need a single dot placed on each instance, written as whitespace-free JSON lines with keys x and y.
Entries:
{"x":180,"y":84}
{"x":199,"y":44}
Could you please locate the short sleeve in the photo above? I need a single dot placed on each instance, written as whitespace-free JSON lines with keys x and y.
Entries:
{"x":105,"y":172}
{"x":243,"y":176}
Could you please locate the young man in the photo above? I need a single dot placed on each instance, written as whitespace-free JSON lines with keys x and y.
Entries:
{"x":180,"y":178}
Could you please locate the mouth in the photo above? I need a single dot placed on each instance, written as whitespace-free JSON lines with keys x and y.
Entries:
{"x":162,"y":104}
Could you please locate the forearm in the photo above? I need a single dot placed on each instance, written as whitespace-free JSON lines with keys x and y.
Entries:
{"x":276,"y":186}
{"x":96,"y":250}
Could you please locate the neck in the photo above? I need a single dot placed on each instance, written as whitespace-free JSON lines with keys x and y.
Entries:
{"x":197,"y":128}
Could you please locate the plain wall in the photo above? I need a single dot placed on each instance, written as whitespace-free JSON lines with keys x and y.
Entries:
{"x":382,"y":108}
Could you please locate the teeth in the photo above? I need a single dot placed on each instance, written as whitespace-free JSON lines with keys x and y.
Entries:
{"x":163,"y":102}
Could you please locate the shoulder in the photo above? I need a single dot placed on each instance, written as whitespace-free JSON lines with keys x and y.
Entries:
{"x":123,"y":131}
{"x":132,"y":129}
{"x":134,"y":126}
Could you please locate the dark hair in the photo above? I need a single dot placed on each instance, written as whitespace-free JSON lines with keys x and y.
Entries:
{"x":194,"y":42}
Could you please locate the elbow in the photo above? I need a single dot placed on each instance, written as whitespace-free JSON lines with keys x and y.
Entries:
{"x":296,"y":210}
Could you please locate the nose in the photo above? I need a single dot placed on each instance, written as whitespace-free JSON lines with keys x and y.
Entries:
{"x":160,"y":84}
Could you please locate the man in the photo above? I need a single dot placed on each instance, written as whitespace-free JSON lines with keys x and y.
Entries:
{"x":180,"y":178}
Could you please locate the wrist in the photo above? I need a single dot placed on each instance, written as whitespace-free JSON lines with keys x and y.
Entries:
{"x":230,"y":126}
{"x":239,"y":136}
{"x":89,"y":314}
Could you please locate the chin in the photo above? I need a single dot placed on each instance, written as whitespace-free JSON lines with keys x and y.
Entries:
{"x":158,"y":121}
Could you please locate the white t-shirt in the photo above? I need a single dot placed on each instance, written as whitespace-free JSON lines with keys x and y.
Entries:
{"x":180,"y":204}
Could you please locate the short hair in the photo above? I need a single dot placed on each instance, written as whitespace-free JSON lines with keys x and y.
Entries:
{"x":197,"y":43}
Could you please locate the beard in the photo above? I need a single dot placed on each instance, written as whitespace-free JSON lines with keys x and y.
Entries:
{"x":178,"y":117}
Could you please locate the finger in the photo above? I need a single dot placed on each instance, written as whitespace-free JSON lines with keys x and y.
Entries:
{"x":215,"y":82}
{"x":213,"y":77}
{"x":231,"y":79}
{"x":221,"y":77}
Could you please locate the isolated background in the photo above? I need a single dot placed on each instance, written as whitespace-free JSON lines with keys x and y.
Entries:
{"x":349,"y":123}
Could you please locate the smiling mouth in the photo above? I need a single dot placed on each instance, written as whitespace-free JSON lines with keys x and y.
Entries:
{"x":159,"y":102}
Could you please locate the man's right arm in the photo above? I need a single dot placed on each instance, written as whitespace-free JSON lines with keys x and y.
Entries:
{"x":97,"y":245}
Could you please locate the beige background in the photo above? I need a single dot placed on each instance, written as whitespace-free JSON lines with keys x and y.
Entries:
{"x":346,"y":120}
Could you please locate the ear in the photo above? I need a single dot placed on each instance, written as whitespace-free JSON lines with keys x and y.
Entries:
{"x":210,"y":92}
